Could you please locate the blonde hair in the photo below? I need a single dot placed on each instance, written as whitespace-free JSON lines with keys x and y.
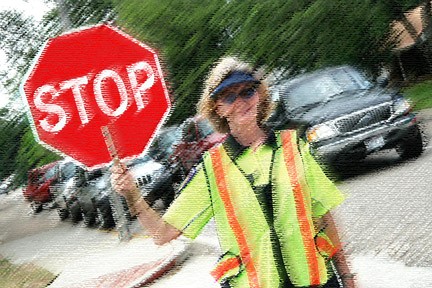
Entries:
{"x":223,"y":68}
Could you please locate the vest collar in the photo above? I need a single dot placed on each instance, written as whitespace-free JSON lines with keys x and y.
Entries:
{"x":234,"y":149}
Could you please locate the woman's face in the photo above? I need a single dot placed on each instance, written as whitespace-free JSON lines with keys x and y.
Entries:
{"x":238,"y":104}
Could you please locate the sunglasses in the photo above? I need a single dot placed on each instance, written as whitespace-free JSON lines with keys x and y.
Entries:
{"x":246,"y":93}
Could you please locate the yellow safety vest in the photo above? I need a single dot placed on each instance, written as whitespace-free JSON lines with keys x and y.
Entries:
{"x":300,"y":191}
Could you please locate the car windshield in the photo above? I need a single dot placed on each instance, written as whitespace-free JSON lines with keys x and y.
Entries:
{"x":50,"y":173}
{"x":94,"y":174}
{"x":68,"y":170}
{"x":322,"y":86}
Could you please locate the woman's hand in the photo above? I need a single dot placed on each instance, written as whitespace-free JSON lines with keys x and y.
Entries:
{"x":123,"y":182}
{"x":342,"y":266}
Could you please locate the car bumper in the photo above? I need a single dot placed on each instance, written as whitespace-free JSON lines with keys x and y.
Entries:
{"x":358,"y":145}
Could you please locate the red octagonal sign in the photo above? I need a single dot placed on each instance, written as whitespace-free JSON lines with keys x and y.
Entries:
{"x":93,"y":78}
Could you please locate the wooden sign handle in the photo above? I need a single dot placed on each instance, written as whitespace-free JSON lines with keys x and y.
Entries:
{"x":120,"y":214}
{"x":109,"y":142}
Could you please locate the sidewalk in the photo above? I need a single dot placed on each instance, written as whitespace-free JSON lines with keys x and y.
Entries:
{"x":377,"y":271}
{"x":125,"y":265}
{"x":88,"y":257}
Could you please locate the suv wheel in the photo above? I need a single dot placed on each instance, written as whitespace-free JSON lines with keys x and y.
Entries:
{"x":411,"y":146}
{"x":75,"y":212}
{"x":89,"y":218}
{"x":63,"y":213}
{"x":36,"y":207}
{"x":105,"y":218}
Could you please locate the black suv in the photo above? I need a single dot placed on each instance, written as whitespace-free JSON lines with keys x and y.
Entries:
{"x":345,"y":117}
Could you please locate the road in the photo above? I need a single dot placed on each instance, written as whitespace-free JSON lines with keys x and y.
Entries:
{"x":387,"y":208}
{"x":384,"y":224}
{"x":386,"y":217}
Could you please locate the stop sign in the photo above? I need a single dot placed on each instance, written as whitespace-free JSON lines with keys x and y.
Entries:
{"x":92,"y":78}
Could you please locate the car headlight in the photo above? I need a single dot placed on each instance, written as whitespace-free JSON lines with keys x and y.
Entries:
{"x":320,"y":132}
{"x":400,"y":106}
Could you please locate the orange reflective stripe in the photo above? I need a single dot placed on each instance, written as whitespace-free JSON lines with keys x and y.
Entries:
{"x":232,"y":219}
{"x":305,"y":226}
{"x":327,"y":247}
{"x":224,"y":267}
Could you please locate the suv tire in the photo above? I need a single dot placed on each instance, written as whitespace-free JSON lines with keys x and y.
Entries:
{"x":36,"y":207}
{"x":63,"y":213}
{"x":75,"y":212}
{"x":104,"y":218}
{"x":89,"y":218}
{"x":411,"y":146}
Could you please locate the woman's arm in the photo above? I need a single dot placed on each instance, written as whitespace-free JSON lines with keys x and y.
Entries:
{"x":328,"y":225}
{"x":124,"y":184}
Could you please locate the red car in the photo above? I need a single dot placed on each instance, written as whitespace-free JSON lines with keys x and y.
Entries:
{"x":197,"y":137}
{"x":37,"y":190}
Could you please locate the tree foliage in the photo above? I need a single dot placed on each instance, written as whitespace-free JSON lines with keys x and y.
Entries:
{"x":20,"y":39}
{"x":189,"y":37}
{"x":11,"y":131}
{"x":289,"y":35}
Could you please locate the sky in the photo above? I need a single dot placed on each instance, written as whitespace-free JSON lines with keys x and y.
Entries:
{"x":35,"y":8}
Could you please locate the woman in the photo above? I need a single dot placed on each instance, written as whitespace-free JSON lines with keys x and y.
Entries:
{"x":269,"y":198}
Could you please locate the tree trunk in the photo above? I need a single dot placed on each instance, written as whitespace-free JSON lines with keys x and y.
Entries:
{"x":409,"y":27}
{"x":63,"y":13}
{"x":426,"y":18}
{"x":426,"y":41}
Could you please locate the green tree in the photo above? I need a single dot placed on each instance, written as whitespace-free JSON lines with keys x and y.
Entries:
{"x":31,"y":154}
{"x":77,"y":13}
{"x":19,"y":151}
{"x":189,"y":37}
{"x":292,"y":36}
{"x":20,"y":39}
{"x":11,"y":131}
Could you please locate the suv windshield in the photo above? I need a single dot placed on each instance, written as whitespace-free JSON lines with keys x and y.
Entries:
{"x":321,"y":87}
{"x":205,"y":128}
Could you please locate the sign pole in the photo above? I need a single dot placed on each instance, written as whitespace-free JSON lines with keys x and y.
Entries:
{"x":119,"y":211}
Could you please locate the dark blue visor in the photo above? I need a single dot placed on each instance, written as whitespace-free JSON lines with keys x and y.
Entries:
{"x":233,"y":79}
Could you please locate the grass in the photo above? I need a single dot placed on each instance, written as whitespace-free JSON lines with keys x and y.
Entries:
{"x":420,"y":94}
{"x":23,"y":276}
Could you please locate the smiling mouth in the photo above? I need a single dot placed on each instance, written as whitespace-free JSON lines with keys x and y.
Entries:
{"x":247,"y":110}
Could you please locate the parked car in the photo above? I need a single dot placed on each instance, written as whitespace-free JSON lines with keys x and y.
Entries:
{"x":345,"y":117}
{"x":6,"y":184}
{"x":162,"y":146}
{"x":153,"y":173}
{"x":86,"y":197}
{"x":64,"y":170}
{"x":39,"y":182}
{"x":66,"y":202}
{"x":94,"y":199}
{"x":44,"y":182}
{"x":197,"y":136}
{"x":172,"y":154}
